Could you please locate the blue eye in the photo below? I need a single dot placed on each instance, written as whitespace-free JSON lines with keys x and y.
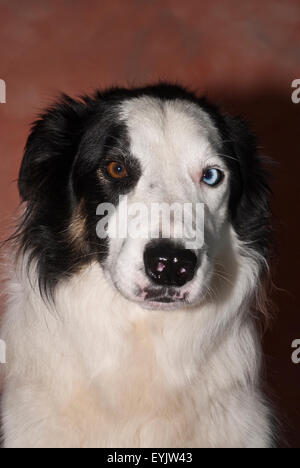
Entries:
{"x":212,"y":177}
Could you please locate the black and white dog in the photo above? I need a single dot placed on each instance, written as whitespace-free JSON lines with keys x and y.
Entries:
{"x":135,"y":341}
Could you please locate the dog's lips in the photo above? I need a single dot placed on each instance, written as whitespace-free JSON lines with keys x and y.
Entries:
{"x":162,"y":304}
{"x":163,"y":295}
{"x":165,"y":300}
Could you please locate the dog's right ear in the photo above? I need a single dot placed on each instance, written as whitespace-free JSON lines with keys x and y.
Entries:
{"x":51,"y":148}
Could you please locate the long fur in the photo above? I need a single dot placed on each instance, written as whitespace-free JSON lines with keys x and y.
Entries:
{"x":87,"y":365}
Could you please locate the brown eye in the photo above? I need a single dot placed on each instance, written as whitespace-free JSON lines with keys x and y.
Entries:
{"x":117,"y":170}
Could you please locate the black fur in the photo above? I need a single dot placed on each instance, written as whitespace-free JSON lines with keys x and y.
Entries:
{"x":75,"y":139}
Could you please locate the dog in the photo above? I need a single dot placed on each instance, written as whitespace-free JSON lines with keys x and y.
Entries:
{"x":145,"y":341}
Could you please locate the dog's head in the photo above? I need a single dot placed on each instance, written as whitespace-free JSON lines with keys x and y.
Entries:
{"x":152,"y":183}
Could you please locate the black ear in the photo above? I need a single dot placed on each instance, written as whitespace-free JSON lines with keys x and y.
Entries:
{"x":51,"y":148}
{"x":250,"y":198}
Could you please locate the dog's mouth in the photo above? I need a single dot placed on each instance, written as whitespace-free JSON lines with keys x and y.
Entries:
{"x":163,"y":296}
{"x":165,"y":300}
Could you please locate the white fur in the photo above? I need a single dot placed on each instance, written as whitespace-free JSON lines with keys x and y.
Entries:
{"x":97,"y":369}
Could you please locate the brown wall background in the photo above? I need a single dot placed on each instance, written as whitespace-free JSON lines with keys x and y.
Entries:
{"x":242,"y":54}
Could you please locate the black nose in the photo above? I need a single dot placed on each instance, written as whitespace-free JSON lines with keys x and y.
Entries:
{"x":167,"y":265}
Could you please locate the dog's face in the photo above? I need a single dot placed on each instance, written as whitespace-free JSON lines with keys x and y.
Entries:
{"x":170,"y":156}
{"x":146,"y":148}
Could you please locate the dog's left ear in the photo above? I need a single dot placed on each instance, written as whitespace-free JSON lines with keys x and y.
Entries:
{"x":250,"y":202}
{"x":51,"y":149}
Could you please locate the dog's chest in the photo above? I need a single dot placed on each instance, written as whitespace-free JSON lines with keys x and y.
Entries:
{"x":133,"y":403}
